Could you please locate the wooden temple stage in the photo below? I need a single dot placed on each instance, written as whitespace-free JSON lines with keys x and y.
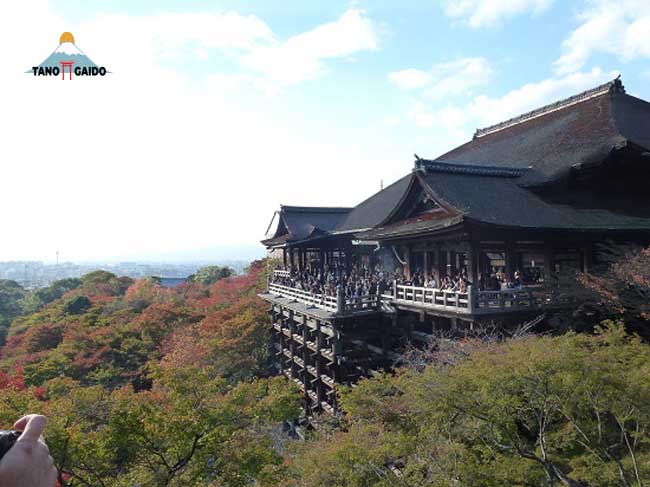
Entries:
{"x":526,"y":200}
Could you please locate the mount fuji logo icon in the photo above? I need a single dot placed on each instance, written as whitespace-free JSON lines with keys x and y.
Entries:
{"x":68,"y":57}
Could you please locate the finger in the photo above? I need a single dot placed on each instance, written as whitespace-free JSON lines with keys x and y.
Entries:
{"x":34,"y":425}
{"x":21,"y":423}
{"x":52,"y":476}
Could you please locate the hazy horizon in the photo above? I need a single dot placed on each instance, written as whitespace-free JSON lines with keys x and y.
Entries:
{"x":242,"y":253}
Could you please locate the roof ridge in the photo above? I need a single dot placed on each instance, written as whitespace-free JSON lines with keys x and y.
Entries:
{"x":317,"y":209}
{"x":471,"y":169}
{"x":614,"y":86}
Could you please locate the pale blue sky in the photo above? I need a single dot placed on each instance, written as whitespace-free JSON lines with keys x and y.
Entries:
{"x":217,"y":112}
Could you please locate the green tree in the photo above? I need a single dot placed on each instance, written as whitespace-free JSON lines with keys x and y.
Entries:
{"x":56,"y":290}
{"x":210,"y":274}
{"x":571,"y":410}
{"x":11,"y":304}
{"x":77,"y":305}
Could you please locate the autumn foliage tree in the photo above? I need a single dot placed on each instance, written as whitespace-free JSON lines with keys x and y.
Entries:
{"x":151,"y":386}
{"x":624,"y":287}
{"x":572,"y":410}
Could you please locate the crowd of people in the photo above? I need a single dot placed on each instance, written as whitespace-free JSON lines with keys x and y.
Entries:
{"x":355,"y":281}
{"x":358,"y":281}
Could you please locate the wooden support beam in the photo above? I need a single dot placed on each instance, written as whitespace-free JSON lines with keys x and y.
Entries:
{"x":472,"y":264}
{"x":587,"y":257}
{"x":510,"y":260}
{"x":407,"y":259}
{"x":549,"y":265}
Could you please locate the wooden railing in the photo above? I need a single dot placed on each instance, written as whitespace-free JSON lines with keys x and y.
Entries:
{"x":333,"y":304}
{"x":470,"y":302}
{"x":452,"y":300}
{"x":281,"y":273}
{"x":512,"y":299}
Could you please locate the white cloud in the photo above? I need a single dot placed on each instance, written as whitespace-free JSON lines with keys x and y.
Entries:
{"x":489,"y":13}
{"x":153,"y":158}
{"x":620,"y":28}
{"x":421,"y":115}
{"x":302,"y":57}
{"x":458,"y":121}
{"x":459,"y":77}
{"x":247,"y":40}
{"x":410,"y":79}
{"x":487,"y":110}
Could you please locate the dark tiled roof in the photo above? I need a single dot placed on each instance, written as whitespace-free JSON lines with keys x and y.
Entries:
{"x":376,"y":209}
{"x":615,"y":86}
{"x":486,"y":179}
{"x":412,"y":227}
{"x":502,"y":201}
{"x":275,"y":241}
{"x":306,"y":222}
{"x":473,"y":169}
{"x":580,"y":130}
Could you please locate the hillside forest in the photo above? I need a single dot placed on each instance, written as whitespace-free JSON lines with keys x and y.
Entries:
{"x":149,"y":386}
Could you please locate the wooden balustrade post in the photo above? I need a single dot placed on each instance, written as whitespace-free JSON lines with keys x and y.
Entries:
{"x":395,"y":289}
{"x":471,"y":296}
{"x":340,"y":299}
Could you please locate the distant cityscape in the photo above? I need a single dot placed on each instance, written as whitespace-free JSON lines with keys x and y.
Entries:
{"x":34,"y":274}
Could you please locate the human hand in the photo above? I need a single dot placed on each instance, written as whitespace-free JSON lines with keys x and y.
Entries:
{"x":28,"y":463}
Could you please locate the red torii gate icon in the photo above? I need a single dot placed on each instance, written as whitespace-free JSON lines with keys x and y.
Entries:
{"x":63,"y":65}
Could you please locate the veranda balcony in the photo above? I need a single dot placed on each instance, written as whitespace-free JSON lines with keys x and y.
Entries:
{"x":471,"y":302}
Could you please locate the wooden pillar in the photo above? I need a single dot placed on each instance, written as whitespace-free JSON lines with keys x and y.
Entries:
{"x":472,"y":265}
{"x":454,"y":323}
{"x":407,"y":259}
{"x":587,"y":257}
{"x":321,"y":261}
{"x":319,"y":346}
{"x":510,"y":261}
{"x":337,"y":351}
{"x":548,"y":261}
{"x":442,"y":255}
{"x":281,"y":340}
{"x":305,"y":349}
{"x":425,"y":263}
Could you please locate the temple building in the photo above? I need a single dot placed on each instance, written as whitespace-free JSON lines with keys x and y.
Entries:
{"x":472,"y":236}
